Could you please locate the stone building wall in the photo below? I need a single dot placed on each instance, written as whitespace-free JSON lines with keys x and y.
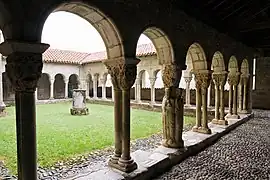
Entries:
{"x":261,"y":94}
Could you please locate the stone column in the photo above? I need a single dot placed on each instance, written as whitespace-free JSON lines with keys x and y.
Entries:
{"x":188,"y":78}
{"x":233,"y":80}
{"x":123,"y":73}
{"x":87,"y":90}
{"x":202,"y":78}
{"x":219,"y":79}
{"x":24,"y":68}
{"x":51,"y":88}
{"x":152,"y":84}
{"x":172,"y":107}
{"x":209,"y":95}
{"x":112,"y":93}
{"x":240,"y":95}
{"x":245,"y":80}
{"x":138,"y":88}
{"x":66,"y":88}
{"x":95,"y":86}
{"x":103,"y":85}
{"x":2,"y":104}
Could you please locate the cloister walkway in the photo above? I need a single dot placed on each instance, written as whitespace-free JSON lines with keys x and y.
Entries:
{"x":242,"y":154}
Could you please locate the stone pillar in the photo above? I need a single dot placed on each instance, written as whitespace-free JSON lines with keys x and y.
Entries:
{"x":2,"y":104}
{"x":123,"y":73}
{"x":66,"y":88}
{"x":87,"y":90}
{"x":51,"y":88}
{"x":188,"y":78}
{"x":233,"y":80}
{"x":95,"y":86}
{"x":103,"y":85}
{"x":202,"y":78}
{"x":36,"y":94}
{"x":24,"y":68}
{"x":153,"y":97}
{"x":138,"y":88}
{"x":112,"y":93}
{"x":219,"y":79}
{"x":245,"y":80}
{"x":172,"y":107}
{"x":209,"y":95}
{"x":240,"y":95}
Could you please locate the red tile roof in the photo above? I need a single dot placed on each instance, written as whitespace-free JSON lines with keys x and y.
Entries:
{"x":73,"y":57}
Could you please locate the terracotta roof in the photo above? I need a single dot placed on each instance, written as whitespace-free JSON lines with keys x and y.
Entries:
{"x":73,"y":57}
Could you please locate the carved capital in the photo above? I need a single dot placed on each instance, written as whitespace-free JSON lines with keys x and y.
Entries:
{"x":233,"y":78}
{"x":24,"y":69}
{"x":219,"y":78}
{"x":202,"y":79}
{"x":171,"y":75}
{"x":152,"y":81}
{"x":123,"y":72}
{"x":244,"y":79}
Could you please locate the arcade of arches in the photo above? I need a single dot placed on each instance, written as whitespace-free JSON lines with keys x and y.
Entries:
{"x":213,"y":59}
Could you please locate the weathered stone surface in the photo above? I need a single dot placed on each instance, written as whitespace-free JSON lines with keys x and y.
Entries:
{"x":79,"y":103}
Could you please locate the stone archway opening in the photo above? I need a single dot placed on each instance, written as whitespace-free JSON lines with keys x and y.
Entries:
{"x":59,"y":86}
{"x":89,"y":80}
{"x":103,"y":24}
{"x":43,"y":87}
{"x":233,"y":65}
{"x":73,"y":83}
{"x":8,"y":91}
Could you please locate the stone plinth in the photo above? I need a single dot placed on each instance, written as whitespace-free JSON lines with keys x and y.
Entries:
{"x":79,"y":102}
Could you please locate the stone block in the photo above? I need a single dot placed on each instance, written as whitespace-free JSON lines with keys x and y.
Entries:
{"x":79,"y":103}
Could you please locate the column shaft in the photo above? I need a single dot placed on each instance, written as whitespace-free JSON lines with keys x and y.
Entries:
{"x":95,"y":89}
{"x":205,"y":128}
{"x":51,"y":89}
{"x":198,"y":108}
{"x":240,"y":97}
{"x":234,"y":100}
{"x":217,"y":102}
{"x":104,"y":91}
{"x":66,"y":89}
{"x":117,"y":126}
{"x":245,"y":98}
{"x":26,"y":135}
{"x":230,"y":99}
{"x":222,"y":107}
{"x":187,"y":93}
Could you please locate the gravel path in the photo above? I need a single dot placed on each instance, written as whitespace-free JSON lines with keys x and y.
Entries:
{"x":242,"y":154}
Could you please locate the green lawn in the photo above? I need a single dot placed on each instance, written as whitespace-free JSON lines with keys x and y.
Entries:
{"x":61,"y":136}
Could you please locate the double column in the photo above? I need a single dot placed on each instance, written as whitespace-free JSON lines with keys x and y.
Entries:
{"x":172,"y":107}
{"x":153,"y":93}
{"x":95,"y":86}
{"x":202,"y":79}
{"x":233,"y":80}
{"x":219,"y":80}
{"x":103,"y":85}
{"x":123,"y":74}
{"x":243,"y":93}
{"x":24,"y":67}
{"x":188,"y":78}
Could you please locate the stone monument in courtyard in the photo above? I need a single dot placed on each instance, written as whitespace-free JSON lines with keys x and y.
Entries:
{"x":79,"y":102}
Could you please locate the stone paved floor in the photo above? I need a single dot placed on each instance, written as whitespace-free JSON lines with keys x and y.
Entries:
{"x":242,"y":154}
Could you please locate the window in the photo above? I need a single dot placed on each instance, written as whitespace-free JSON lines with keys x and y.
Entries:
{"x":254,"y":74}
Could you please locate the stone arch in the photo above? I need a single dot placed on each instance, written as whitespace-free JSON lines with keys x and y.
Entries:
{"x":163,"y":46}
{"x":59,"y":86}
{"x":73,"y":83}
{"x":159,"y":81}
{"x":245,"y":67}
{"x":233,"y":65}
{"x":218,"y":64}
{"x":196,"y":59}
{"x":44,"y":87}
{"x":103,"y":24}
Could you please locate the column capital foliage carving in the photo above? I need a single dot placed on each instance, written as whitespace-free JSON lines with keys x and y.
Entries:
{"x":171,"y":75}
{"x":244,"y":78}
{"x":233,"y":78}
{"x":123,"y":72}
{"x":219,"y":78}
{"x":202,"y":79}
{"x":24,"y":69}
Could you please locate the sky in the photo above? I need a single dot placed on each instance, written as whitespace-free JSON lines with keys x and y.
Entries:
{"x":67,"y":31}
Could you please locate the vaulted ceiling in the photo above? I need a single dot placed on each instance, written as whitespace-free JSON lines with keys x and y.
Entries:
{"x":245,"y":20}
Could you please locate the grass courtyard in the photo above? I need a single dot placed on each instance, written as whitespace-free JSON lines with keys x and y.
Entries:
{"x":61,"y":136}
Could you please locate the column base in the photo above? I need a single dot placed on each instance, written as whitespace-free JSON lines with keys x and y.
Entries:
{"x":220,"y":122}
{"x":202,"y":130}
{"x":170,"y":144}
{"x":234,"y":116}
{"x":244,"y":112}
{"x":187,"y":105}
{"x":228,"y":116}
{"x":114,"y":160}
{"x":126,"y":166}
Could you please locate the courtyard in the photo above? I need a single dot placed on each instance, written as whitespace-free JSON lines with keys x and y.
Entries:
{"x":61,"y":136}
